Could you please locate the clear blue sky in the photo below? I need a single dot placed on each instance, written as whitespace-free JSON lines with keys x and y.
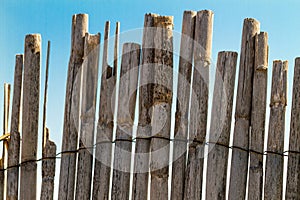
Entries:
{"x":52,"y":19}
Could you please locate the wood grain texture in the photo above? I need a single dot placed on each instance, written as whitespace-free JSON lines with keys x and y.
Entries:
{"x":199,"y":103}
{"x":30,"y":116}
{"x":48,"y":169}
{"x":125,"y":118}
{"x":14,"y":142}
{"x":220,"y":126}
{"x":142,"y":148}
{"x":105,"y":126}
{"x":87,"y":115}
{"x":239,"y":162}
{"x":71,"y":115}
{"x":293,"y":177}
{"x":293,"y":171}
{"x":274,"y":162}
{"x":258,"y":116}
{"x":162,"y":105}
{"x":182,"y":105}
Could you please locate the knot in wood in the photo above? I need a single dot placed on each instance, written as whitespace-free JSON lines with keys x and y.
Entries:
{"x":262,"y":68}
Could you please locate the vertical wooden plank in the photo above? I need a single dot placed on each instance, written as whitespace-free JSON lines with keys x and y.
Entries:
{"x":274,"y":164}
{"x":116,"y":47}
{"x":162,"y":105}
{"x":199,"y":104}
{"x":14,"y":142}
{"x":258,"y":117}
{"x":3,"y":163}
{"x":30,"y":116}
{"x":293,"y":172}
{"x":142,"y":148}
{"x":6,"y":112}
{"x":239,"y":162}
{"x":48,"y":168}
{"x":220,"y":126}
{"x":87,"y":115}
{"x":182,"y":104}
{"x":105,"y":126}
{"x":71,"y":116}
{"x":45,"y":97}
{"x":48,"y":147}
{"x":125,"y":118}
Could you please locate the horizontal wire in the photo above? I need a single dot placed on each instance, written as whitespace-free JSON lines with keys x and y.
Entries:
{"x":188,"y":141}
{"x":254,"y":151}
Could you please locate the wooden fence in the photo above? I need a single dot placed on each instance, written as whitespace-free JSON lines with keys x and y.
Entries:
{"x":165,"y":165}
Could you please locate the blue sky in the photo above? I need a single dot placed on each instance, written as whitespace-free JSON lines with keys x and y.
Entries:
{"x":52,"y":19}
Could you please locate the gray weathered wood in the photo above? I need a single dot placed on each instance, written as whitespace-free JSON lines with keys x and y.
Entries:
{"x":45,"y":98}
{"x":182,"y":105}
{"x":162,"y":105}
{"x":14,"y":142}
{"x":125,"y":118}
{"x":3,"y":163}
{"x":142,"y":148}
{"x":48,"y":147}
{"x":293,"y":171}
{"x":87,"y":115}
{"x":239,"y":162}
{"x":258,"y":116}
{"x":220,"y":126}
{"x":274,"y":164}
{"x":71,"y":116}
{"x":105,"y":126}
{"x":30,"y":116}
{"x":48,"y":168}
{"x":116,"y":47}
{"x":199,"y":104}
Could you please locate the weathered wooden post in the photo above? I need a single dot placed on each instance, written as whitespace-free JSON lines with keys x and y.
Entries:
{"x":199,"y":104}
{"x":30,"y":116}
{"x":220,"y":126}
{"x":116,"y":47}
{"x":239,"y":162}
{"x":3,"y":163}
{"x":142,"y":148}
{"x":87,"y":115}
{"x":71,"y":116}
{"x":293,"y":171}
{"x":45,"y":97}
{"x":14,"y":142}
{"x":274,"y":164}
{"x":258,"y":117}
{"x":48,"y":168}
{"x":105,"y":126}
{"x":125,"y":118}
{"x":162,"y":105}
{"x":182,"y":105}
{"x":48,"y":147}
